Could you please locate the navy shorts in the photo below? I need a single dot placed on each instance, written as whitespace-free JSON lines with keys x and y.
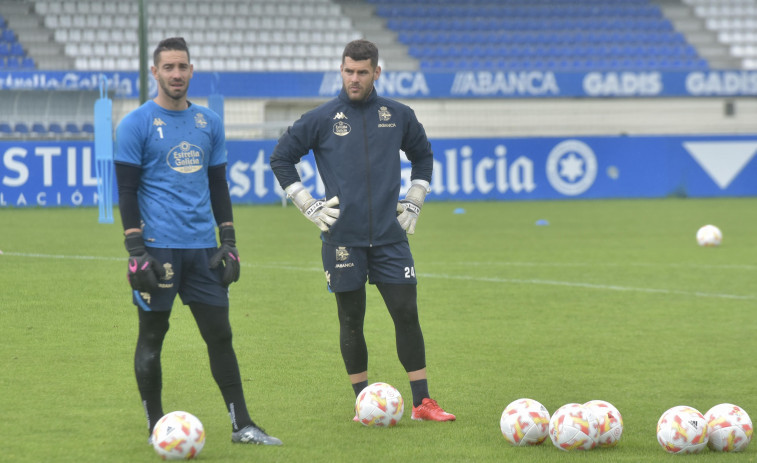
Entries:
{"x":189,"y":275}
{"x":348,"y":268}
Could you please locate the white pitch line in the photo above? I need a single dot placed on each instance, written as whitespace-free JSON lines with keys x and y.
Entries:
{"x":60,"y":256}
{"x":597,"y":264}
{"x":531,"y":281}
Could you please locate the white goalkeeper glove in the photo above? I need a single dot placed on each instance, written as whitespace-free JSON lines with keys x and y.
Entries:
{"x":322,"y":213}
{"x":409,"y":208}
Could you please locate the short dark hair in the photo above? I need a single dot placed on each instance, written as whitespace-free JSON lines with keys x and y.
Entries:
{"x":171,"y":43}
{"x":360,"y":50}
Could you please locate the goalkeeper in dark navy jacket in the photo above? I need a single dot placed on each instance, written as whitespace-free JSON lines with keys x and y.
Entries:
{"x":356,"y":139}
{"x":170,"y":165}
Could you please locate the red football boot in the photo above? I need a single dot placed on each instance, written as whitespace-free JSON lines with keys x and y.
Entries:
{"x":429,"y":410}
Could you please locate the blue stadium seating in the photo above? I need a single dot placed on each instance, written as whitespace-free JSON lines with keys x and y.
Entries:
{"x":38,"y":128}
{"x":8,"y":36}
{"x":55,"y":129}
{"x":72,"y":128}
{"x":564,"y":35}
{"x":10,"y":63}
{"x":21,"y":128}
{"x":5,"y":129}
{"x":17,"y":49}
{"x":12,"y":53}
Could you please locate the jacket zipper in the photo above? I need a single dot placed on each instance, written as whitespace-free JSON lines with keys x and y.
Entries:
{"x":368,"y":178}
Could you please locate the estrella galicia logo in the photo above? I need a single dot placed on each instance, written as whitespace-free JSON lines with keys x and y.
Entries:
{"x":185,"y":158}
{"x":342,"y":128}
{"x":571,"y":167}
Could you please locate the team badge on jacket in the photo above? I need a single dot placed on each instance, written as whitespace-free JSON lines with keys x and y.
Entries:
{"x":384,"y":117}
{"x":384,"y":114}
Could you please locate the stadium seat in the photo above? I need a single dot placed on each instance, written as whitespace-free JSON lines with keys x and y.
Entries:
{"x":21,"y":128}
{"x":8,"y":36}
{"x":17,"y":49}
{"x":55,"y":129}
{"x":72,"y":128}
{"x":88,"y":128}
{"x":38,"y":128}
{"x":5,"y":129}
{"x":12,"y":63}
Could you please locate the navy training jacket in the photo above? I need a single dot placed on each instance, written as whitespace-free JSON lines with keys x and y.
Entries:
{"x":356,"y":147}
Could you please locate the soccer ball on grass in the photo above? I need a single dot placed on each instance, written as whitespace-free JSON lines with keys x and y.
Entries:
{"x":610,"y":422}
{"x":709,"y":236}
{"x":379,"y":404}
{"x":178,"y":436}
{"x":525,"y":422}
{"x":682,"y":429}
{"x":574,"y":427}
{"x":729,"y":428}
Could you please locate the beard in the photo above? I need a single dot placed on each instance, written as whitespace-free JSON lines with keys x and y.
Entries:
{"x":174,"y":93}
{"x":362,"y":92}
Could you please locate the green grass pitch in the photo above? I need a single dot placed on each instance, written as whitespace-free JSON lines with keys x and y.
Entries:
{"x":612,"y":300}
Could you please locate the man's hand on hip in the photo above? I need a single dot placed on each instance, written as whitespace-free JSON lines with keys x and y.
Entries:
{"x":409,"y":208}
{"x":321,"y":212}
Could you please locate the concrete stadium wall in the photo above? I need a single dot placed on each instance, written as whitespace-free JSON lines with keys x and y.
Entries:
{"x":454,"y":118}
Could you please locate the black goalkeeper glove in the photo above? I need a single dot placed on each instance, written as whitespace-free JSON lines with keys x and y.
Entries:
{"x":144,"y":271}
{"x":227,"y":254}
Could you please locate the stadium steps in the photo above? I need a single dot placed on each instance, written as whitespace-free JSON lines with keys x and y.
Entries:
{"x":34,"y":36}
{"x":694,"y":29}
{"x":393,"y":54}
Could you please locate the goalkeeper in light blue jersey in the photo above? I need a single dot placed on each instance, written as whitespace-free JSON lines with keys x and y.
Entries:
{"x":170,"y":167}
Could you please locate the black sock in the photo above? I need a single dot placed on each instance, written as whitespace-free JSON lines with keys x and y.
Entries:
{"x":358,"y":387}
{"x":420,"y":391}
{"x":153,"y":411}
{"x":240,"y":417}
{"x":152,"y":330}
{"x":215,"y":329}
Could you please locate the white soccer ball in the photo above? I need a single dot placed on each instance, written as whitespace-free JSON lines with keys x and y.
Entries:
{"x":379,"y":404}
{"x":709,"y":235}
{"x":525,"y":422}
{"x":178,"y":436}
{"x":682,"y":429}
{"x":610,"y":422}
{"x":729,"y":428}
{"x":574,"y":427}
